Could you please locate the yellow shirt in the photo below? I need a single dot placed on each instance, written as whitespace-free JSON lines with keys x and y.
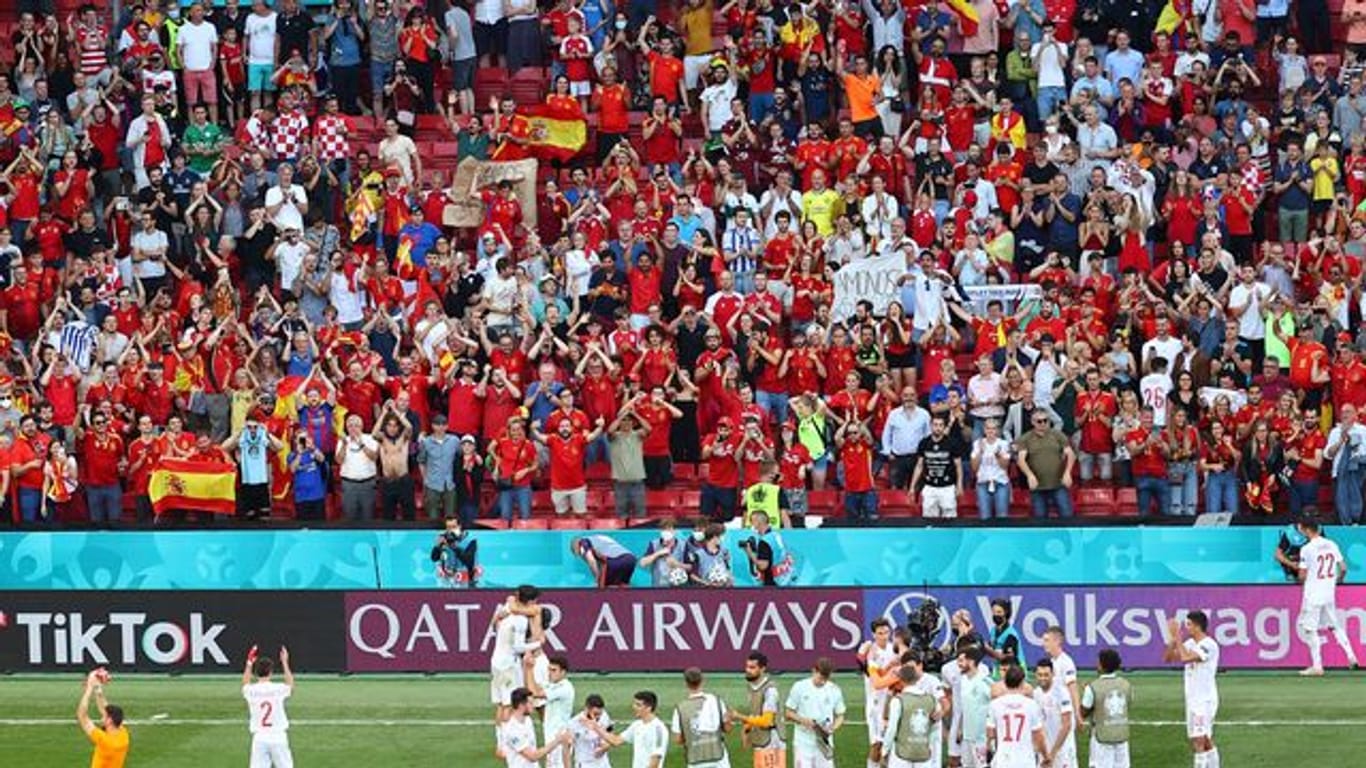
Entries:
{"x":860,"y":92}
{"x":696,"y":25}
{"x":1325,"y":174}
{"x":820,"y":208}
{"x":111,"y":749}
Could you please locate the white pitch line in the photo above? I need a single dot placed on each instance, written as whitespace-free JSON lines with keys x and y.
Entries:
{"x":354,"y":723}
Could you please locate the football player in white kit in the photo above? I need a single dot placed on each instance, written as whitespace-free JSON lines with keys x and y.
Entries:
{"x":266,"y":709}
{"x":1200,"y":654}
{"x":590,"y":749}
{"x":1064,"y":670}
{"x":1056,"y":705}
{"x":876,"y":656}
{"x":1016,"y":728}
{"x":555,"y":697}
{"x":511,"y":623}
{"x":1321,"y":567}
{"x":518,"y":734}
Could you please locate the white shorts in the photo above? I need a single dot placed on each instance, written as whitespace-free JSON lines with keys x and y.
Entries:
{"x":812,"y":759}
{"x":975,"y":755}
{"x":939,"y":502}
{"x":1200,"y":719}
{"x":271,"y":753}
{"x":576,"y":499}
{"x":955,"y":749}
{"x":1316,"y":616}
{"x":1109,"y":755}
{"x":875,"y":712}
{"x":504,"y":682}
{"x":895,"y":762}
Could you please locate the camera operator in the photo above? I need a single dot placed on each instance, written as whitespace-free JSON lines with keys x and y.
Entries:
{"x":767,"y":557}
{"x":308,"y":466}
{"x":454,"y":554}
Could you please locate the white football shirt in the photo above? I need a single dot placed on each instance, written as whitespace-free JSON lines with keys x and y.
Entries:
{"x":1320,"y":560}
{"x":1199,"y":678}
{"x":587,"y":743}
{"x":647,"y":740}
{"x":508,"y":643}
{"x":519,"y":734}
{"x":266,"y":707}
{"x":559,"y":707}
{"x":1056,"y":705}
{"x":1015,"y":719}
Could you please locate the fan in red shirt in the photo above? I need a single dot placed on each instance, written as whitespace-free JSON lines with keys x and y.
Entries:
{"x":359,"y":395}
{"x":1309,"y":366}
{"x":514,"y":464}
{"x":666,"y":73}
{"x":721,"y":452}
{"x":813,"y":154}
{"x":1149,"y":463}
{"x":856,"y":455}
{"x":1095,"y":409}
{"x":567,"y":446}
{"x":657,"y":413}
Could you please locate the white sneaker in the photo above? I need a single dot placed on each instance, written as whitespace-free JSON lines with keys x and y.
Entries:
{"x":1311,"y":672}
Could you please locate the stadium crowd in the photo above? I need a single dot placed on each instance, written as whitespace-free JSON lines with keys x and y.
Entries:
{"x":1132,"y":238}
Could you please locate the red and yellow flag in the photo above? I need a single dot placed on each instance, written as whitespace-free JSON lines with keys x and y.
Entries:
{"x":558,"y":131}
{"x":967,"y":16}
{"x":198,"y":486}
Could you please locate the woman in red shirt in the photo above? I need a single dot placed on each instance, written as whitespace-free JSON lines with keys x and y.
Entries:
{"x":417,"y":42}
{"x":1181,"y":208}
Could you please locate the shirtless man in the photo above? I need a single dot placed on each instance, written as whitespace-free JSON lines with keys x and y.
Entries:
{"x":394,"y":433}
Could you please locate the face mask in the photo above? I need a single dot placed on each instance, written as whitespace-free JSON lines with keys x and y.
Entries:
{"x":1050,"y":129}
{"x":666,"y":536}
{"x":999,"y":621}
{"x":698,"y":536}
{"x":621,"y":24}
{"x":6,"y":402}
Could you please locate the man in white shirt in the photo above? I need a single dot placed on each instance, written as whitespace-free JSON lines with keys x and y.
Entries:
{"x":517,"y":738}
{"x":1060,"y":744}
{"x":1050,"y":61}
{"x":815,"y":706}
{"x":1200,"y":655}
{"x":266,"y":707}
{"x":555,"y":699}
{"x":1246,"y":302}
{"x":1163,"y":344}
{"x":878,"y":656}
{"x":716,"y":101}
{"x":901,"y":435}
{"x":198,"y":41}
{"x":1154,"y":387}
{"x":700,"y":725}
{"x":648,"y":736}
{"x":286,"y":201}
{"x":1064,"y":669}
{"x":259,"y":34}
{"x":1321,"y":568}
{"x":288,"y":253}
{"x":512,"y":625}
{"x":1016,"y":727}
{"x":590,"y":748}
{"x":149,"y":246}
{"x":1346,"y":449}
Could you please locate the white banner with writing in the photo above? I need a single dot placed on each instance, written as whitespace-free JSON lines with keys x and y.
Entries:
{"x":1010,"y":294}
{"x":874,"y":279}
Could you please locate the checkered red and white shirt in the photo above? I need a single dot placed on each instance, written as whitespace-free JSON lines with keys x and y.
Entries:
{"x":289,"y":134}
{"x":91,"y":42}
{"x":329,"y":137}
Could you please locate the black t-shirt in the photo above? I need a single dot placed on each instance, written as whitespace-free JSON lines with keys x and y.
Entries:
{"x":1044,"y":174}
{"x":252,"y":250}
{"x":939,"y":458}
{"x":147,"y":198}
{"x":81,"y":243}
{"x":762,"y":551}
{"x":294,"y":31}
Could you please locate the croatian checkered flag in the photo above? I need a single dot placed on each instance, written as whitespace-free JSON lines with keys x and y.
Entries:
{"x":77,"y":343}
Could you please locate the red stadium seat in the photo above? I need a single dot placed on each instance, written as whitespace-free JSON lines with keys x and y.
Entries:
{"x":568,"y":523}
{"x":533,"y":524}
{"x":605,"y":524}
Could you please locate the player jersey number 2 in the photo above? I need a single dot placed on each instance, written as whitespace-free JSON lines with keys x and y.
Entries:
{"x":1328,"y":566}
{"x":267,"y":709}
{"x":1014,"y":723}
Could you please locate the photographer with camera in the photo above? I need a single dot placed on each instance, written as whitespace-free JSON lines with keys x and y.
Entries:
{"x":454,"y":554}
{"x":308,"y":465}
{"x":1347,"y":450}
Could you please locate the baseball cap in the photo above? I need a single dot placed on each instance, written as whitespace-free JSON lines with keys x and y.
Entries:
{"x":724,"y":421}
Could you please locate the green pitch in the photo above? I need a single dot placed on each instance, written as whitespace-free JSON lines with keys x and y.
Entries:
{"x":1265,"y":720}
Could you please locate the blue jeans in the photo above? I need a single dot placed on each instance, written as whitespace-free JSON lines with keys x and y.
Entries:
{"x":30,"y":504}
{"x":1060,"y":497}
{"x":1182,"y":494}
{"x":744,"y":283}
{"x":772,"y":403}
{"x":1346,"y":496}
{"x":105,"y":503}
{"x":1152,"y":490}
{"x":519,"y":495}
{"x":860,"y":505}
{"x":1221,"y":493}
{"x":1050,"y":98}
{"x":596,"y":451}
{"x":759,"y":104}
{"x":993,"y":503}
{"x":1303,"y":493}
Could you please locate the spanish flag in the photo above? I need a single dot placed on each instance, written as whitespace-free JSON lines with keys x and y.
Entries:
{"x":362,"y":213}
{"x":1172,"y":16}
{"x":198,"y":486}
{"x":287,"y":397}
{"x":558,"y":131}
{"x":967,"y":16}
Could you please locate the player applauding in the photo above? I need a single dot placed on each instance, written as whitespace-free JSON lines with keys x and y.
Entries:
{"x":1200,"y":654}
{"x":266,"y":707}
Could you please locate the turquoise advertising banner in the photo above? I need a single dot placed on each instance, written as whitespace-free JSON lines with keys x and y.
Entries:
{"x":400,"y":559}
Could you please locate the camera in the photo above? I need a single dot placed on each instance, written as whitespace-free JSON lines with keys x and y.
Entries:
{"x":922,"y":625}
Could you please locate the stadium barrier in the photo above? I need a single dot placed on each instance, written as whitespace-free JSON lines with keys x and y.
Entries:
{"x":620,"y":630}
{"x":399,"y":558}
